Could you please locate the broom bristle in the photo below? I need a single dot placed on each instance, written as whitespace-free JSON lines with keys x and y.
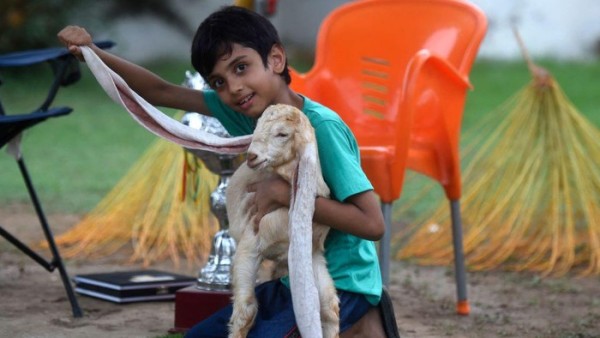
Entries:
{"x":145,"y":212}
{"x":531,"y":191}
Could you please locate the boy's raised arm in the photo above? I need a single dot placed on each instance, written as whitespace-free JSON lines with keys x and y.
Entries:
{"x":150,"y":86}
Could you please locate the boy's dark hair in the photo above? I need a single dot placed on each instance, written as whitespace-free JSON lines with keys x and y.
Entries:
{"x":220,"y":30}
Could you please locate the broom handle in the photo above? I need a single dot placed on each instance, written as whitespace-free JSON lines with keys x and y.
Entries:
{"x":539,"y":73}
{"x":524,"y":51}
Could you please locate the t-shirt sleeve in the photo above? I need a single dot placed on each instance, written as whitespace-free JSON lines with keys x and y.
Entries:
{"x":340,"y":160}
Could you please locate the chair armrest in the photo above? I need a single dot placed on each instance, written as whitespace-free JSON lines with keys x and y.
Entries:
{"x":425,"y":58}
{"x":34,"y":56}
{"x":64,"y":66}
{"x":434,"y":96}
{"x":429,"y":75}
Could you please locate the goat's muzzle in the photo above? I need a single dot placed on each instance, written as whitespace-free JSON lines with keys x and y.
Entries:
{"x":252,"y":160}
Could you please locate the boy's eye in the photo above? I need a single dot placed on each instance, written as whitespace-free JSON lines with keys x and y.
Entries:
{"x":217,"y":83}
{"x":240,"y":68}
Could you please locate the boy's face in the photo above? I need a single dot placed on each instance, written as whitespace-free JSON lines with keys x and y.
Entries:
{"x":244,"y":83}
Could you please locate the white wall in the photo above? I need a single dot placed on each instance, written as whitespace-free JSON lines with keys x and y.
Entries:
{"x":564,"y":29}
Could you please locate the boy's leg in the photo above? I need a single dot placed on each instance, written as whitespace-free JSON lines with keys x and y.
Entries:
{"x":275,"y":317}
{"x":370,"y":325}
{"x":353,"y":307}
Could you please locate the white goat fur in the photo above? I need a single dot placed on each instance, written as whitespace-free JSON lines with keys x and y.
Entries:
{"x":283,"y":134}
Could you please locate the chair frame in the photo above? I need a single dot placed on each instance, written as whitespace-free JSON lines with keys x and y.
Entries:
{"x":450,"y":71}
{"x":66,"y":72}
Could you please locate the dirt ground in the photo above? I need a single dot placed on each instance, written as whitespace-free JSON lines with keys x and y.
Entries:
{"x":33,"y":302}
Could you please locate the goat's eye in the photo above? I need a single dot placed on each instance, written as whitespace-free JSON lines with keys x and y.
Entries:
{"x":282,"y":135}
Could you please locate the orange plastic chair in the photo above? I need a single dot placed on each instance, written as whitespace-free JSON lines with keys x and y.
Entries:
{"x":397,"y":73}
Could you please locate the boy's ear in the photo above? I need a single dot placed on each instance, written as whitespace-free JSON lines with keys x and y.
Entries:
{"x":277,"y":58}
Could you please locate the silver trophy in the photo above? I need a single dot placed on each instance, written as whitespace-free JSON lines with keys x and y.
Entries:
{"x":216,"y":274}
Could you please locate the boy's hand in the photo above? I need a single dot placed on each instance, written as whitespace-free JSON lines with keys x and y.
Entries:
{"x":73,"y":37}
{"x":269,"y":195}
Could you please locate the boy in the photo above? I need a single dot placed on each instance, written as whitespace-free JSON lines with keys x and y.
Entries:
{"x":239,"y":54}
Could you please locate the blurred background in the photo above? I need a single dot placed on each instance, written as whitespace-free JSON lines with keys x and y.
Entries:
{"x":552,"y":28}
{"x":76,"y":160}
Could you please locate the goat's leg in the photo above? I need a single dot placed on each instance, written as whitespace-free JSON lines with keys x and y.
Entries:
{"x":245,"y":267}
{"x":328,"y":299}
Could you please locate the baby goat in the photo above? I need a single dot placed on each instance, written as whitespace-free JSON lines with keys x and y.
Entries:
{"x":283,"y":144}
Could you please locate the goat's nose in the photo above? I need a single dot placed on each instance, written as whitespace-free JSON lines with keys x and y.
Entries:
{"x":250,"y":157}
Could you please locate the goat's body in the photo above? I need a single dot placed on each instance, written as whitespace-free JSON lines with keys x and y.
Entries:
{"x":271,"y":242}
{"x":272,"y":239}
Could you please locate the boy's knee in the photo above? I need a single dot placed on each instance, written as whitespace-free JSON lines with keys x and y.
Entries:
{"x":370,"y":325}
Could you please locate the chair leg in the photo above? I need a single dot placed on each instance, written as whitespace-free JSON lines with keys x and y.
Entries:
{"x":384,"y":244}
{"x":462,"y":306}
{"x":57,"y":260}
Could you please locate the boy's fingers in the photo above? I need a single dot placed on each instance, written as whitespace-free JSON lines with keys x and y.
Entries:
{"x":76,"y":51}
{"x":74,"y":35}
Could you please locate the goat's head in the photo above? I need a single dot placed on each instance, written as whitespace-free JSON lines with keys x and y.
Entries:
{"x":280,"y":137}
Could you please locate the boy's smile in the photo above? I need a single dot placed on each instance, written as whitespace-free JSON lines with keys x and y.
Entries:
{"x":246,"y":102}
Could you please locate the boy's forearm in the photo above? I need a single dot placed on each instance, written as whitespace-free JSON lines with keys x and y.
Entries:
{"x":152,"y":87}
{"x":147,"y":84}
{"x":141,"y":80}
{"x":360,"y":215}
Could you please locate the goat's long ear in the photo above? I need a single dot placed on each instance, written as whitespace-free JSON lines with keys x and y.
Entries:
{"x":304,"y":186}
{"x":305,"y":296}
{"x":304,"y":133}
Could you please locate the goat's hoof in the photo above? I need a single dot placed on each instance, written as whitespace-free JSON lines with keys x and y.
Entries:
{"x":240,"y":331}
{"x":242,"y":319}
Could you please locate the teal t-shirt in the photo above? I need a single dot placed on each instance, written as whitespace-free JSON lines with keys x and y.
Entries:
{"x":351,"y":261}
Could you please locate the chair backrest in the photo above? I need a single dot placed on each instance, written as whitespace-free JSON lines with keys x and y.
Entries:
{"x":364,"y":49}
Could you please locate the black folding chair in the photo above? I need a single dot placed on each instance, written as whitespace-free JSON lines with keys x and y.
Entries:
{"x":66,"y":71}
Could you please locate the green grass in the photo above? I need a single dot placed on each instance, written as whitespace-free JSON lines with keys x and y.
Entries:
{"x":75,"y":160}
{"x":495,"y":81}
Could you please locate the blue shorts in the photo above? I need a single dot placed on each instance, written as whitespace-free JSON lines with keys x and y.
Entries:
{"x":275,"y":317}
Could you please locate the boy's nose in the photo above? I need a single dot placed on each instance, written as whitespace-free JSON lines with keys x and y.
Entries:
{"x":235,"y":86}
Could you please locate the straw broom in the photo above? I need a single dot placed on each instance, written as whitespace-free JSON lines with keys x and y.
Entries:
{"x":531,"y":190}
{"x":159,"y":210}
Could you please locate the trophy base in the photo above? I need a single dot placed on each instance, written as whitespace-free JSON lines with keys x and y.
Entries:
{"x":193,"y":305}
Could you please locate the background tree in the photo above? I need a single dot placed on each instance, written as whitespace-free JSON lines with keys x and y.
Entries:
{"x":30,"y":24}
